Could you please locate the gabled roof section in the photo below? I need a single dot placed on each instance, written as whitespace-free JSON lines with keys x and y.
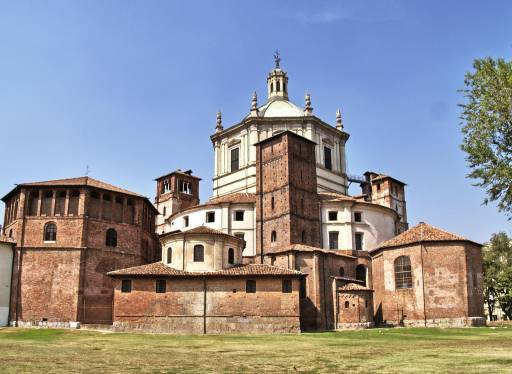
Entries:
{"x":159,"y":269}
{"x":422,"y":232}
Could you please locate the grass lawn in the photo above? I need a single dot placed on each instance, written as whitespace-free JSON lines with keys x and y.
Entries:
{"x":384,"y":350}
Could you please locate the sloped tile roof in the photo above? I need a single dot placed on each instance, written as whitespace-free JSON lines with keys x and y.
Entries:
{"x":306,"y":248}
{"x":234,"y":198}
{"x":354,"y":287}
{"x":332,"y":196}
{"x":82,"y":181}
{"x":160,"y":270}
{"x":422,"y":232}
{"x":205,"y":230}
{"x":78,"y":182}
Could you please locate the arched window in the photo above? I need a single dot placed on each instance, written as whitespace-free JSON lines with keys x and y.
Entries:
{"x":198,"y":253}
{"x":347,"y":304}
{"x":169,"y":255}
{"x":278,"y":85}
{"x":271,"y":86}
{"x":273,"y":236}
{"x":342,"y":271}
{"x":303,"y":236}
{"x":231,"y":256}
{"x":10,"y":233}
{"x":361,"y":273}
{"x":111,"y":239}
{"x":50,"y":232}
{"x":403,"y":276}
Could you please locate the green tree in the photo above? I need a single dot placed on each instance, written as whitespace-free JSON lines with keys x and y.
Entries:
{"x":487,"y":129}
{"x":498,"y":274}
{"x":504,"y":286}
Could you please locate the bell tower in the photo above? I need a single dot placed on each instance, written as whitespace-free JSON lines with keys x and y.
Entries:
{"x":277,"y":81}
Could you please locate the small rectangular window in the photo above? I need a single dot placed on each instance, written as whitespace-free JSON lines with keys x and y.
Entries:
{"x":333,"y":239}
{"x":327,"y":158}
{"x":250,"y":286}
{"x":359,"y":241}
{"x":287,"y":285}
{"x":357,"y":217}
{"x":185,"y":221}
{"x":160,"y":286}
{"x":241,"y":235}
{"x":378,"y":186}
{"x":235,"y":163}
{"x":210,"y":217}
{"x":333,"y":215}
{"x":126,"y":285}
{"x":239,"y":215}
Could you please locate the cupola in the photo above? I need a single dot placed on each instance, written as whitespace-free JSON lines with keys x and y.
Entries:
{"x":277,"y":81}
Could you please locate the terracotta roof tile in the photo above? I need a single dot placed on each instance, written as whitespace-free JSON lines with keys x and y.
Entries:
{"x":200,"y":230}
{"x":161,"y":270}
{"x":234,"y":198}
{"x":306,"y":248}
{"x":80,"y":181}
{"x":332,"y":196}
{"x":419,"y":233}
{"x":354,"y":287}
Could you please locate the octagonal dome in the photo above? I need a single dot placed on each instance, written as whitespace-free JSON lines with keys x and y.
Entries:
{"x":280,"y":108}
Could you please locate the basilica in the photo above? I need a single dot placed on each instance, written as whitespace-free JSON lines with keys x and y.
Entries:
{"x":281,"y":246}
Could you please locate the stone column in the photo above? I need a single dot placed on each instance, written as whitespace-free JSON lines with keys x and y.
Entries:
{"x":40,"y":192}
{"x":52,"y":209}
{"x":100,"y":213}
{"x":66,"y":204}
{"x":123,"y":214}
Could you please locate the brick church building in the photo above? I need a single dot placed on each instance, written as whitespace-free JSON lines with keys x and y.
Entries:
{"x":280,"y":247}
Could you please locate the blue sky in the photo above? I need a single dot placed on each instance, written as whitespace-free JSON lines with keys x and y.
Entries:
{"x":131,"y":88}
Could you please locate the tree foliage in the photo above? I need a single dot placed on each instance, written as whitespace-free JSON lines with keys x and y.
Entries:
{"x":498,"y":274}
{"x":487,"y":129}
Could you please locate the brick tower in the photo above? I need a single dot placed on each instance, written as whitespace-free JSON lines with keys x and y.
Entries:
{"x":174,"y":192}
{"x":286,"y":193}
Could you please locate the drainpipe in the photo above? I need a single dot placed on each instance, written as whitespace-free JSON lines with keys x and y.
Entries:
{"x":423,"y":278}
{"x":20,"y":259}
{"x":10,"y":286}
{"x":261,"y":203}
{"x":204,"y":305}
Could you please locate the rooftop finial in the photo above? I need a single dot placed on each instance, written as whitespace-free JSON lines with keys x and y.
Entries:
{"x":277,"y":58}
{"x":219,"y":127}
{"x":254,"y":102}
{"x":308,"y":109}
{"x":339,"y":122}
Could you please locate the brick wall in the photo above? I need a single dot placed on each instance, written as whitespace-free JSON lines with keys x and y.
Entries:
{"x":354,"y":307}
{"x":441,"y":289}
{"x":181,"y":308}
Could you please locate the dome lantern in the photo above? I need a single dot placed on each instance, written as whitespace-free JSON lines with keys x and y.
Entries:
{"x":277,"y":81}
